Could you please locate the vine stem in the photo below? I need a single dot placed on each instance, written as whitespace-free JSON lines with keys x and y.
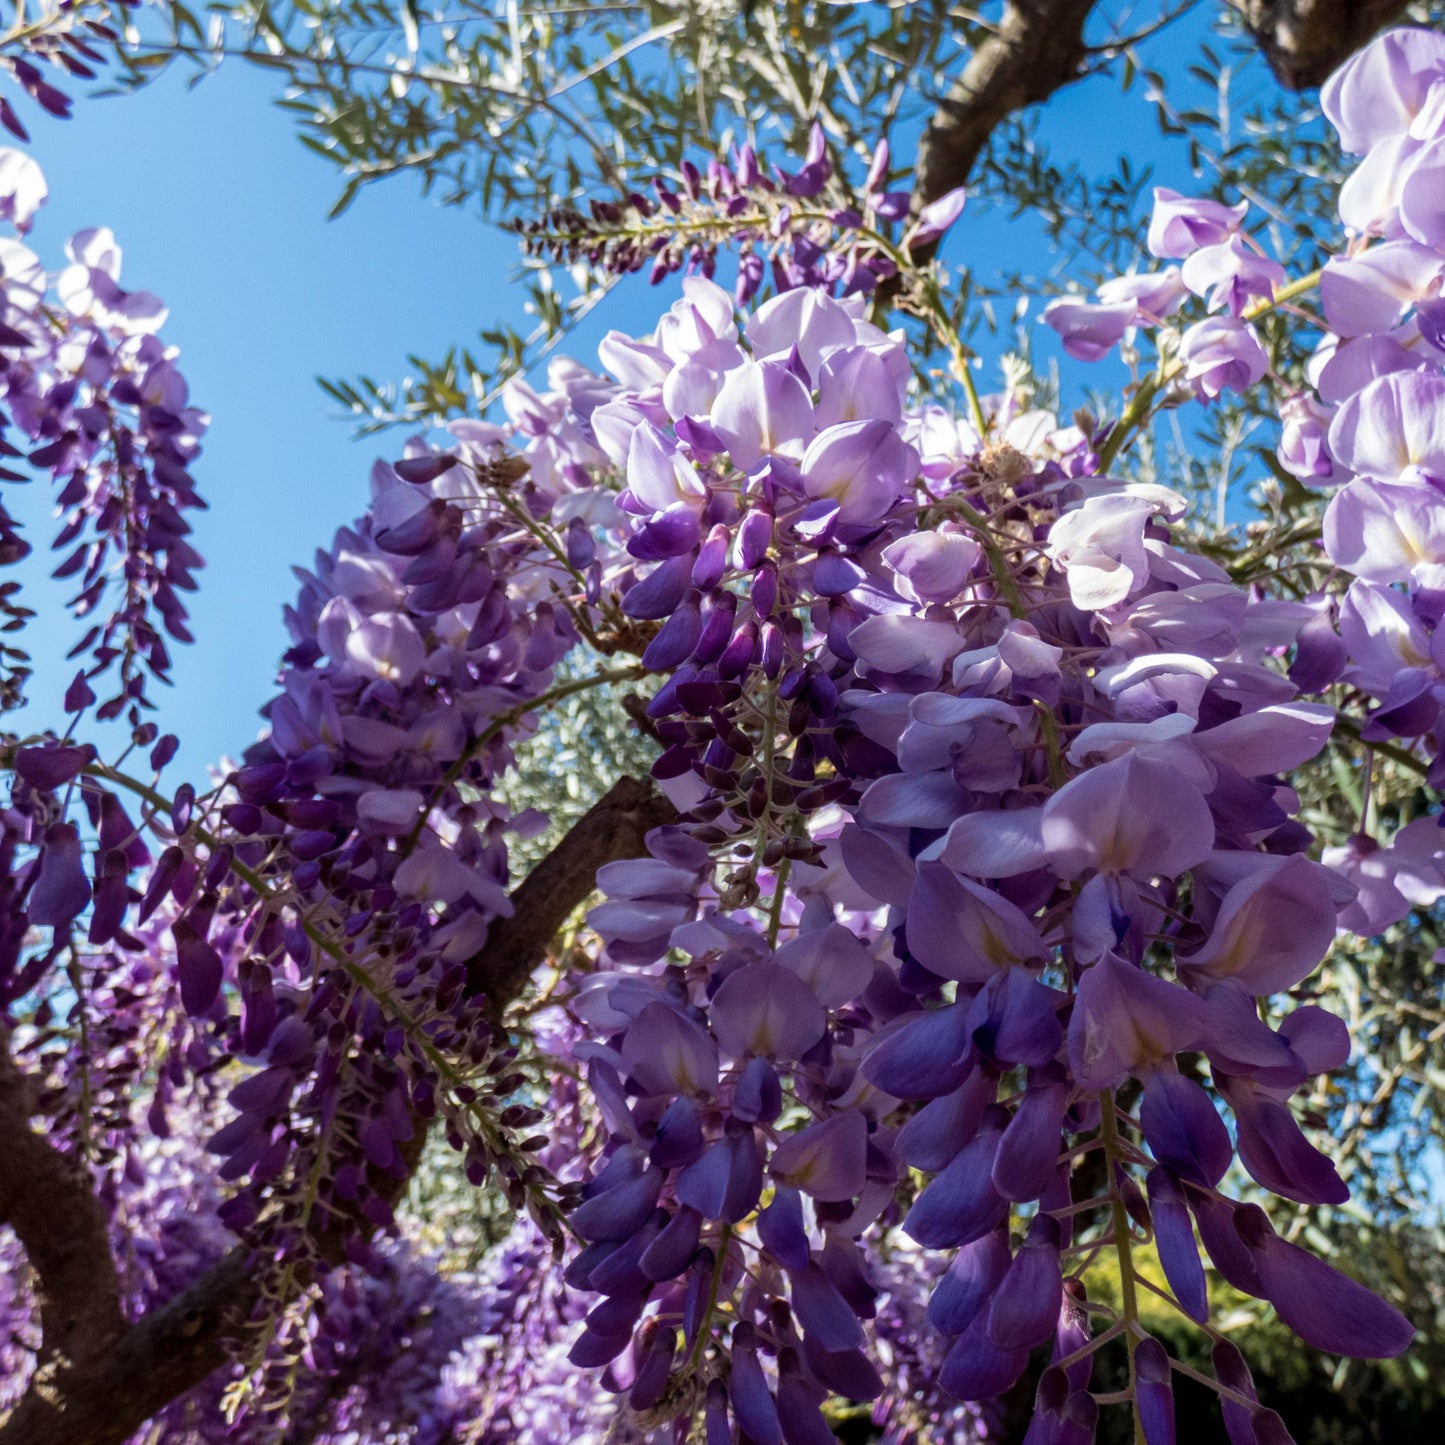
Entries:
{"x":780,"y":892}
{"x":704,"y":1329}
{"x":1089,"y":1347}
{"x":1123,"y":1250}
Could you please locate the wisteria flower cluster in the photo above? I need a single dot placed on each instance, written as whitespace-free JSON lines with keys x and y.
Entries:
{"x":975,"y":954}
{"x":92,"y":397}
{"x":781,"y":225}
{"x":1065,"y":860}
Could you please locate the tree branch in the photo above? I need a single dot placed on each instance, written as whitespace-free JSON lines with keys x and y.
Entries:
{"x":1304,"y":40}
{"x":1037,"y":49}
{"x":47,"y":1199}
{"x":112,"y":1382}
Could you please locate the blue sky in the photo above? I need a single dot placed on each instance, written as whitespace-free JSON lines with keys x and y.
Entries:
{"x":222,"y":212}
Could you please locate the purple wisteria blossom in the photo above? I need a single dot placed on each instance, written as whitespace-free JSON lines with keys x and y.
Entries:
{"x":976,"y":947}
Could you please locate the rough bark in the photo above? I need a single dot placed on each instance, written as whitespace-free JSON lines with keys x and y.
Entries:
{"x":103,"y":1379}
{"x":48,"y":1202}
{"x":1037,"y":49}
{"x":1304,"y":40}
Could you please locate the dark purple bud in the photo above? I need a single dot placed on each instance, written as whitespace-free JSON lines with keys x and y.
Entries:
{"x":1073,"y":1334}
{"x":758,"y":1093}
{"x":695,"y":1308}
{"x":265,"y":1094}
{"x":781,"y":1228}
{"x":670,"y":534}
{"x":1269,"y":1429}
{"x":1231,"y":1372}
{"x":849,"y":1373}
{"x":310,"y":813}
{"x":164,"y":751}
{"x":752,"y":1401}
{"x":11,"y":122}
{"x":581,"y":549}
{"x":823,"y":1312}
{"x":1081,"y":1418}
{"x":719,"y":1427}
{"x":961,"y":1204}
{"x":424,"y":469}
{"x":78,"y":695}
{"x":717,"y":628}
{"x":969,"y":1283}
{"x":593,"y":1350}
{"x":926,"y":1057}
{"x":843,"y":618}
{"x":413,"y":536}
{"x":749,"y":277}
{"x":657,"y":594}
{"x":679,"y":1136}
{"x":199,"y":968}
{"x":1328,"y":1310}
{"x":218,"y":866}
{"x":112,"y":897}
{"x":1215,"y":1217}
{"x":939,"y":1130}
{"x":976,"y":1368}
{"x":1062,"y":1415}
{"x":712,"y":559}
{"x":1320,"y":654}
{"x":292,"y":1043}
{"x":258,"y":1010}
{"x":835,"y":574}
{"x":1154,"y":1392}
{"x":798,"y":1409}
{"x":737,"y":656}
{"x":52,"y":767}
{"x":1277,"y":1154}
{"x":770,"y":649}
{"x":162,"y":876}
{"x":118,"y":833}
{"x":676,"y":639}
{"x":260,"y":782}
{"x":1028,"y":1153}
{"x":1025,"y":1308}
{"x":673,"y":1249}
{"x":725,"y":1183}
{"x":842,"y":1262}
{"x":755,"y":536}
{"x":620,"y":1273}
{"x":621,"y":1210}
{"x":1174,"y":1238}
{"x":1183,"y":1129}
{"x":764,"y":591}
{"x":61,"y":888}
{"x":53,"y":100}
{"x":652,"y":1375}
{"x":242,"y":818}
{"x":1015,"y":1019}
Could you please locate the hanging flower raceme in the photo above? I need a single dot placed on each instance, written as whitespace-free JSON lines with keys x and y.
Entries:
{"x":97,"y":402}
{"x":788,"y":227}
{"x":1068,"y":891}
